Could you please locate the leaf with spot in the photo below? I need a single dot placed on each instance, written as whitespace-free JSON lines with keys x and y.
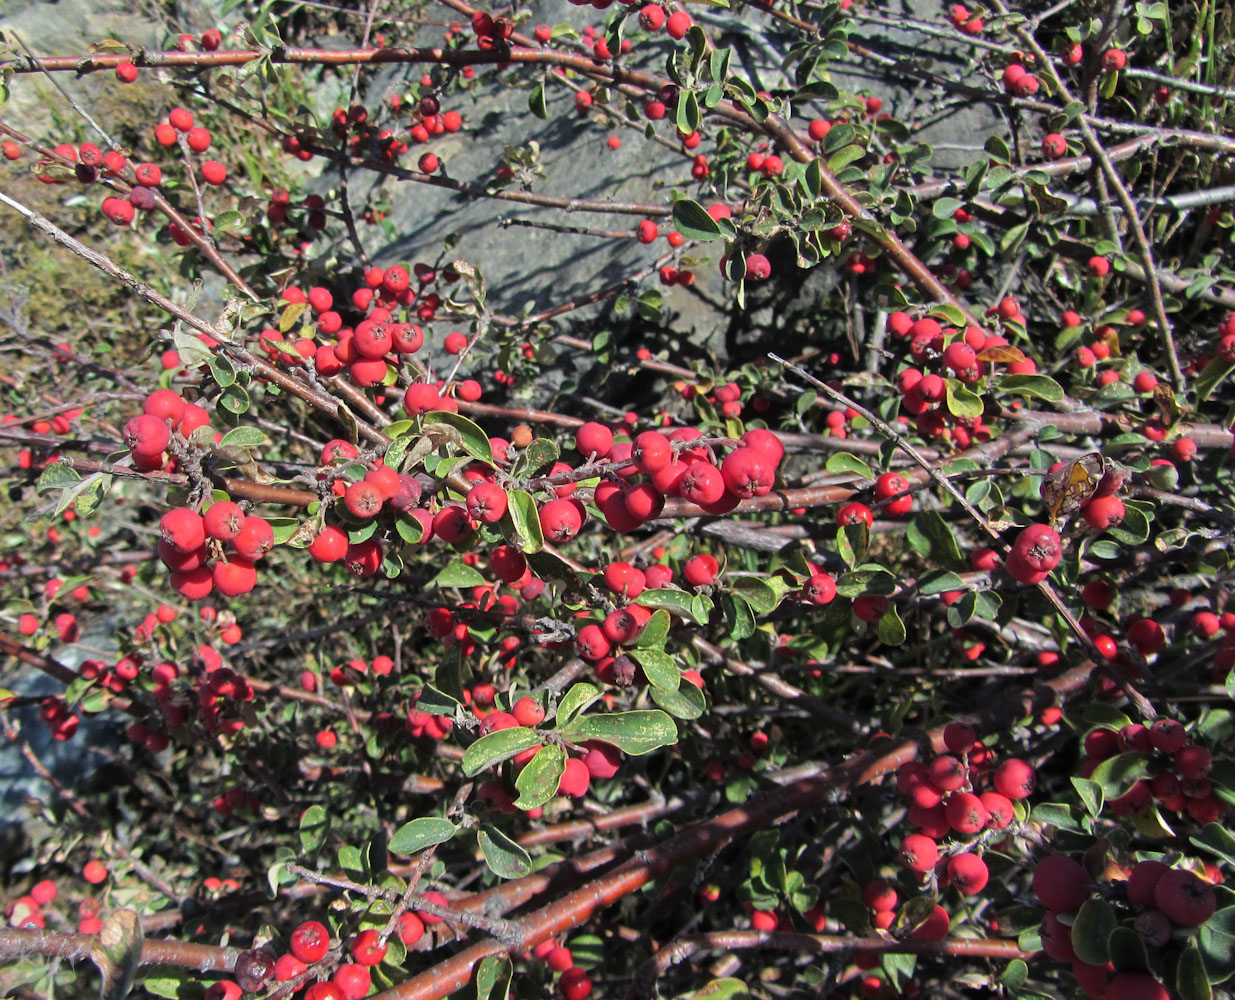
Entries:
{"x":497,"y":747}
{"x":635,"y":733}
{"x":538,"y":782}
{"x":659,"y":668}
{"x":504,"y":856}
{"x":428,"y":831}
{"x":472,"y":439}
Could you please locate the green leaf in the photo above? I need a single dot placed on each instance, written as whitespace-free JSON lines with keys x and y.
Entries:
{"x":1191,"y":982}
{"x":945,"y":208}
{"x":659,"y":668}
{"x":1093,"y":925}
{"x":457,"y":573}
{"x":723,"y":989}
{"x":505,"y":858}
{"x":1116,"y":774}
{"x":87,"y":497}
{"x":56,"y":477}
{"x":222,"y":371}
{"x":1013,"y":977}
{"x":314,"y":823}
{"x":540,"y":456}
{"x":472,"y":439}
{"x":234,"y":399}
{"x":245,"y":437}
{"x":1056,"y":814}
{"x":1212,"y":376}
{"x":1127,"y":950}
{"x":693,"y":221}
{"x":350,"y":859}
{"x":738,"y":615}
{"x":688,"y":112}
{"x":493,"y":977}
{"x":890,"y":628}
{"x":170,"y":983}
{"x":538,"y":782}
{"x":1092,"y":796}
{"x":841,"y":159}
{"x":678,"y":602}
{"x":521,"y":522}
{"x":574,"y":701}
{"x":635,"y":733}
{"x":687,"y":702}
{"x":839,"y":136}
{"x":865,"y":581}
{"x":948,"y":313}
{"x":842,"y":461}
{"x":415,"y":836}
{"x":497,"y":747}
{"x":1216,"y":940}
{"x":1216,"y":839}
{"x":761,"y":597}
{"x":117,"y":951}
{"x":437,"y":702}
{"x":939,"y":582}
{"x":961,"y":402}
{"x":277,"y":874}
{"x":932,"y":537}
{"x":655,"y":631}
{"x":225,"y":221}
{"x":536,"y":102}
{"x":1036,"y":386}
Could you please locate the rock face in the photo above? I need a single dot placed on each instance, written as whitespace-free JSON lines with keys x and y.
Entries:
{"x":536,"y":268}
{"x":70,"y":762}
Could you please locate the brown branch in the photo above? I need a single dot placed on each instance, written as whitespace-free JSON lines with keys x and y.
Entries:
{"x":711,"y":835}
{"x":15,"y":944}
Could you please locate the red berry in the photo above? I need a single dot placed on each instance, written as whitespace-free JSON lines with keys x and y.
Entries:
{"x":223,"y":520}
{"x":1061,"y":883}
{"x":183,"y":529}
{"x":1015,"y":778}
{"x":310,"y":942}
{"x":678,"y":24}
{"x":198,"y":139}
{"x":855,"y":513}
{"x":367,"y":949}
{"x":919,"y":852}
{"x":1038,"y":547}
{"x":487,"y":502}
{"x":701,"y":570}
{"x":968,"y":873}
{"x":1185,"y":898}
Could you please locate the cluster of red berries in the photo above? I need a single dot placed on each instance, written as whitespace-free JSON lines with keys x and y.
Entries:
{"x":27,"y":910}
{"x":377,"y":339}
{"x":597,"y":760}
{"x":1179,"y":784}
{"x":943,"y":800}
{"x":1019,"y":82}
{"x":966,"y":21}
{"x":31,"y":909}
{"x":1156,"y":901}
{"x":573,"y":982}
{"x":192,"y":547}
{"x":965,"y":356}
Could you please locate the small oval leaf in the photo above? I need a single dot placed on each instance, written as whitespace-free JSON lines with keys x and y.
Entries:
{"x":497,"y":747}
{"x":505,"y":858}
{"x":419,"y":834}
